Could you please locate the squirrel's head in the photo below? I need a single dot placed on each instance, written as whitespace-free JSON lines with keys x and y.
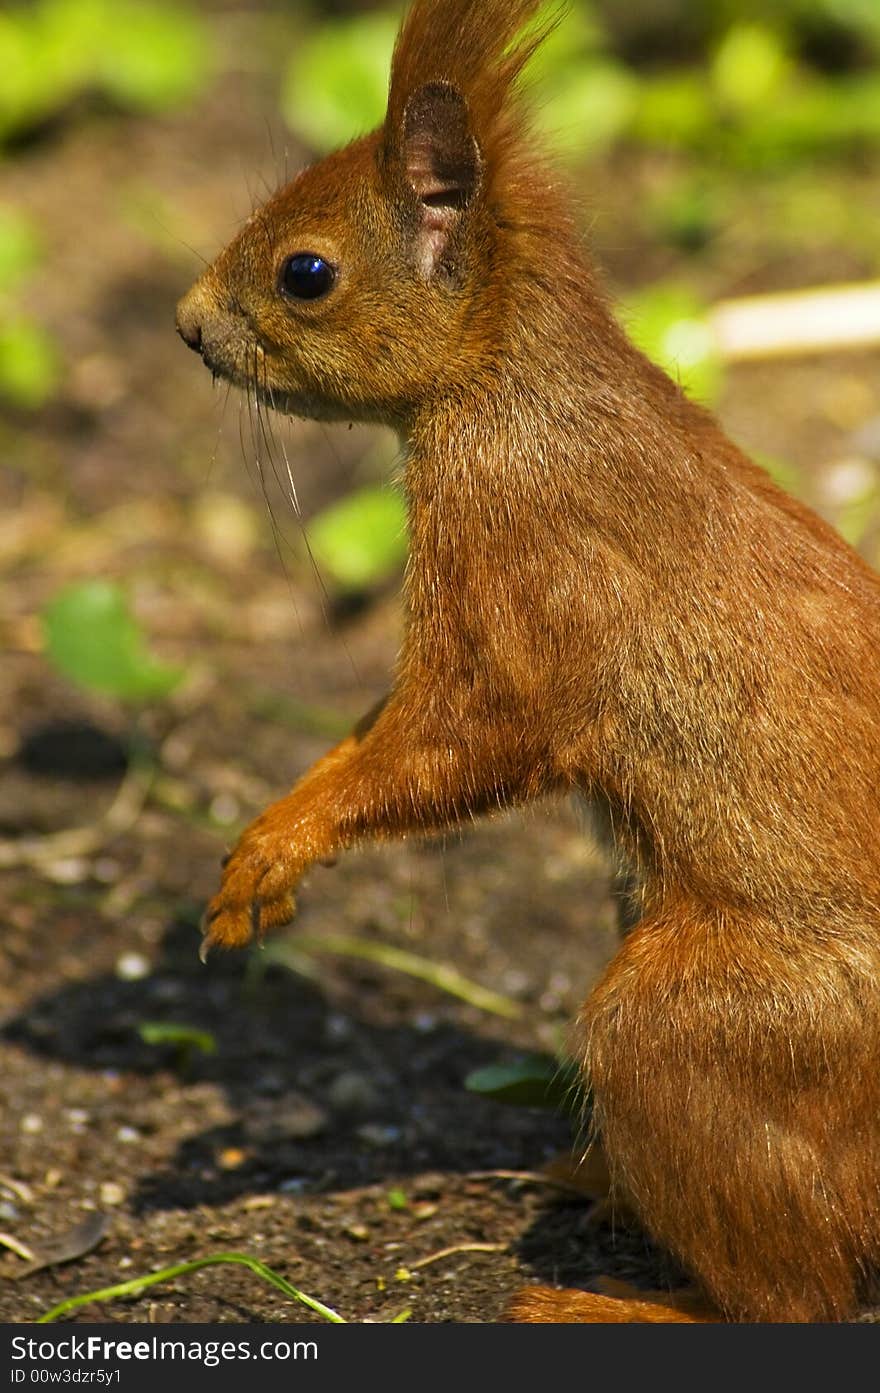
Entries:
{"x":373,"y":281}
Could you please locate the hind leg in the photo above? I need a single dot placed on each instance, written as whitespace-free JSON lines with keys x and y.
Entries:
{"x":733,"y":1064}
{"x":735,"y":1083}
{"x":546,"y":1305}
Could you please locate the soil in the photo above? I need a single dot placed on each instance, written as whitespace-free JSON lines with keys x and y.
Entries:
{"x":329,"y":1134}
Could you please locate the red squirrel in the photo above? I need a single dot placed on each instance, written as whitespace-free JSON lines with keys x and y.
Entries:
{"x":603,"y":595}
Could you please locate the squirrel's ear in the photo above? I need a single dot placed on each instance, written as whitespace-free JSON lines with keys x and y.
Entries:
{"x":441,"y":164}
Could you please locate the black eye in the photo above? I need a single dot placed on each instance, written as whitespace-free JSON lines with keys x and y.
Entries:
{"x":306,"y":276}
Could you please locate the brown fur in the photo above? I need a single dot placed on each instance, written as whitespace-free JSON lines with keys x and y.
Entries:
{"x":604,"y":595}
{"x":623,"y":1306}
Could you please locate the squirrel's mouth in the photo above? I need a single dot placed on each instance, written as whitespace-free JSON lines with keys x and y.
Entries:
{"x":242,"y":360}
{"x":242,"y":365}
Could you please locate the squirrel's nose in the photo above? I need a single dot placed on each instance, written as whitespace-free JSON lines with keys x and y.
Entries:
{"x":197,"y":311}
{"x":189,"y":320}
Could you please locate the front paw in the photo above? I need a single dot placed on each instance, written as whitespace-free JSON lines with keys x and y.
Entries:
{"x":256,"y":892}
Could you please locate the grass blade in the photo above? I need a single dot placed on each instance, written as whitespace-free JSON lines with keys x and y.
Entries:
{"x":136,"y":1285}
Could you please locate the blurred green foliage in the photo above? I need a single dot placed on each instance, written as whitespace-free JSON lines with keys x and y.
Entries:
{"x":668,"y":322}
{"x":535,"y":1081}
{"x":187,"y":1041}
{"x":140,"y":54}
{"x":748,"y":87}
{"x":91,"y":637}
{"x":335,"y":85}
{"x":361,"y":540}
{"x":728,"y":88}
{"x":29,"y":363}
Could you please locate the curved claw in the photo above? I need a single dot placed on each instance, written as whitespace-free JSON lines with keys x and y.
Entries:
{"x":255,"y":895}
{"x":229,"y":925}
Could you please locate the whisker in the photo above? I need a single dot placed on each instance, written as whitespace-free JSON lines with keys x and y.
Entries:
{"x":212,"y":462}
{"x":259,"y":436}
{"x":294,"y":499}
{"x":292,"y":493}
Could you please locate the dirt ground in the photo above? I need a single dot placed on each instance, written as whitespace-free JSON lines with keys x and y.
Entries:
{"x":337,"y":1087}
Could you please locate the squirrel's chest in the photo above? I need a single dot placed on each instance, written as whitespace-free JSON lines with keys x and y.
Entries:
{"x":491,"y":608}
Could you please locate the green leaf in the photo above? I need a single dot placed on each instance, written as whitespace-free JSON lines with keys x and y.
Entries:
{"x":668,"y":323}
{"x":92,"y":638}
{"x":336,"y":84}
{"x":182,"y":1037}
{"x":362,"y":540}
{"x":29,"y":366}
{"x":537,"y":1081}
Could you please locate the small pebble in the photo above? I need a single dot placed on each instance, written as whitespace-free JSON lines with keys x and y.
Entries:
{"x":270,"y":1084}
{"x":111,"y":1193}
{"x":352,"y":1092}
{"x":232,"y":1158}
{"x":299,"y":1117}
{"x":31,"y":1123}
{"x":515,"y":982}
{"x":8,"y":1212}
{"x":337,"y":1029}
{"x":72,"y":870}
{"x":359,"y":1232}
{"x":128,"y":1135}
{"x":132,"y":967}
{"x":294,"y":1185}
{"x":375,"y":1134}
{"x":166,"y":989}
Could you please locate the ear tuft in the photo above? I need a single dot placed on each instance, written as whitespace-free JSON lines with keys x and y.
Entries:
{"x":441,"y":163}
